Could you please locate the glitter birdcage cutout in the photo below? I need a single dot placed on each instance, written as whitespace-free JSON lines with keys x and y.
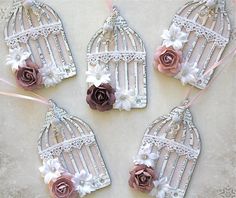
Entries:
{"x":73,"y":143}
{"x":208,"y":29}
{"x":205,"y":29}
{"x":36,"y":28}
{"x":121,"y":51}
{"x":175,"y":141}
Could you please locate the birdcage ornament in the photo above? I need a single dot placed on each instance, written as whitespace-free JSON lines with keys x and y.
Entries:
{"x":168,"y":154}
{"x":196,"y":40}
{"x":39,"y":53}
{"x":68,"y":148}
{"x":116,"y":65}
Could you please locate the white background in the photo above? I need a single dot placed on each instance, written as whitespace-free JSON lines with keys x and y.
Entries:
{"x":118,"y":133}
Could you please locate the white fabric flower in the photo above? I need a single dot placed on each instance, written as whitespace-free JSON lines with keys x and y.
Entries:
{"x":188,"y":73}
{"x":124,"y":99}
{"x":174,"y":37}
{"x":83,"y":183}
{"x":16,"y":58}
{"x":145,"y":157}
{"x":98,"y":75}
{"x":51,"y":75}
{"x":51,"y":170}
{"x":161,"y":187}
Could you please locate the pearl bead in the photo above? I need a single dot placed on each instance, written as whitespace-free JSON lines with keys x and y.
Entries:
{"x":82,"y":183}
{"x":144,"y":157}
{"x":28,"y":3}
{"x":108,"y":28}
{"x":18,"y":57}
{"x":53,"y":169}
{"x":98,"y":76}
{"x":211,"y":3}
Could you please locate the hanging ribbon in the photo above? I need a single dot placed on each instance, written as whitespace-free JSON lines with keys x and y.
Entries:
{"x":37,"y":97}
{"x":227,"y":58}
{"x":110,"y":5}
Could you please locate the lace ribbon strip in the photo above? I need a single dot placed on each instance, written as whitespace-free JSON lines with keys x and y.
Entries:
{"x":66,"y":146}
{"x":126,"y":56}
{"x":200,"y":30}
{"x":180,"y":149}
{"x":34,"y":33}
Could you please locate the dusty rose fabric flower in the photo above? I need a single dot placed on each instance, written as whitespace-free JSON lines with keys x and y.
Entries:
{"x":28,"y":76}
{"x":168,"y":61}
{"x":63,"y":187}
{"x":141,"y":178}
{"x":101,"y":98}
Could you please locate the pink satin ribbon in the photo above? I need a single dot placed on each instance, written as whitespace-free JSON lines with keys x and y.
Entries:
{"x":37,"y":97}
{"x":217,"y":64}
{"x":110,"y":5}
{"x":227,"y":58}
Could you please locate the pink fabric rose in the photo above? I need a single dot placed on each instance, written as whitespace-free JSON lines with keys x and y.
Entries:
{"x":63,"y":187}
{"x":141,"y":178}
{"x":168,"y":61}
{"x":28,"y":76}
{"x":101,"y":98}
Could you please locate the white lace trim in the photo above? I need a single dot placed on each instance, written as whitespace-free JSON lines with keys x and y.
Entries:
{"x":200,"y":30}
{"x":34,"y":33}
{"x":66,"y":146}
{"x":116,"y":56}
{"x":171,"y":145}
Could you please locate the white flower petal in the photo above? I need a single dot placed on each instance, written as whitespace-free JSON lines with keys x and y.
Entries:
{"x":97,"y":83}
{"x":167,"y":43}
{"x":166,"y":34}
{"x":147,"y":149}
{"x":124,"y":99}
{"x":83,"y":183}
{"x":183,"y":37}
{"x":145,"y":157}
{"x":98,"y":75}
{"x":188,"y":73}
{"x":153,"y":156}
{"x":174,"y":37}
{"x":51,"y":176}
{"x":51,"y":75}
{"x":161,"y":194}
{"x":16,"y":58}
{"x":51,"y":169}
{"x":177,"y":45}
{"x":25,"y":55}
{"x":126,"y":105}
{"x":161,"y":187}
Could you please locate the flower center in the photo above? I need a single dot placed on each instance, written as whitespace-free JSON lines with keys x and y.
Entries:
{"x":50,"y":74}
{"x":18,"y":57}
{"x":62,"y":188}
{"x":169,"y":58}
{"x":53,"y":169}
{"x":82,"y":183}
{"x":144,"y":156}
{"x":143,"y":178}
{"x":176,"y":194}
{"x":98,"y":76}
{"x":172,"y":38}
